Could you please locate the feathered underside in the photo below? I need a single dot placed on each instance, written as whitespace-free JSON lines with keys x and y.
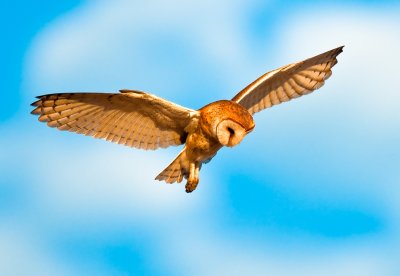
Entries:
{"x":131,"y":118}
{"x":288,"y":82}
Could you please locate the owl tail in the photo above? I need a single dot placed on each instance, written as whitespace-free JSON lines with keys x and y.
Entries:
{"x":176,"y":171}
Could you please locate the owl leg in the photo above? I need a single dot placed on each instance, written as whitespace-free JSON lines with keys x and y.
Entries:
{"x":193,"y":179}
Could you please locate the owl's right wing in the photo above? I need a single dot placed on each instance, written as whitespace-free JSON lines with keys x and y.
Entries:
{"x":132,"y":118}
{"x":288,"y":82}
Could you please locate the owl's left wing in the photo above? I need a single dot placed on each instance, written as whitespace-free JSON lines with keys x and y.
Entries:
{"x":132,"y":118}
{"x":288,"y":82}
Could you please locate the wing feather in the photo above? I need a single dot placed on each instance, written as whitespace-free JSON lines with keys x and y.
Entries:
{"x":288,"y":82}
{"x":131,"y":118}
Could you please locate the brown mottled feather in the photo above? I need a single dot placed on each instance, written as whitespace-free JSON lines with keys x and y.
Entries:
{"x":176,"y":171}
{"x":288,"y":82}
{"x":131,"y":118}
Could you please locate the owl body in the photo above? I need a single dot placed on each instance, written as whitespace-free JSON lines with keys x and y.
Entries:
{"x":221,"y":123}
{"x":200,"y":146}
{"x":142,"y":120}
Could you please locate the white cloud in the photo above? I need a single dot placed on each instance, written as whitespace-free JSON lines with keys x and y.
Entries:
{"x":21,"y":254}
{"x":364,"y":81}
{"x":110,"y":45}
{"x":206,"y":253}
{"x":73,"y":176}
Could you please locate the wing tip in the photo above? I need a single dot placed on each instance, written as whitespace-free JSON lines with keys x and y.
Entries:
{"x":36,"y":111}
{"x":36,"y":103}
{"x":46,"y":95}
{"x":338,"y":50}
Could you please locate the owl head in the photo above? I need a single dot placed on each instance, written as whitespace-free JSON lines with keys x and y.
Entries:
{"x":227,"y":121}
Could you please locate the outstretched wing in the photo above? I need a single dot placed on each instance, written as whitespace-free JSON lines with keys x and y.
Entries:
{"x":288,"y":82}
{"x":131,"y":118}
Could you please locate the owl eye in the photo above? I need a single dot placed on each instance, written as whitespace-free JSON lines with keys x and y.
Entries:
{"x":231,"y":131}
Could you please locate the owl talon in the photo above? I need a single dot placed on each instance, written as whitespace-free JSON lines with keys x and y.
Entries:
{"x":191,"y":185}
{"x":193,"y":178}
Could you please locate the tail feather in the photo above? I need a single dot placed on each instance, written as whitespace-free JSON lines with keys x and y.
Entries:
{"x":176,"y":171}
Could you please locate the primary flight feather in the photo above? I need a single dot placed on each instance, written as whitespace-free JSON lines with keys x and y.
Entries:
{"x":142,"y":120}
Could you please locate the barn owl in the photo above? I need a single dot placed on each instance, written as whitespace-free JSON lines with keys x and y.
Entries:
{"x":145,"y":121}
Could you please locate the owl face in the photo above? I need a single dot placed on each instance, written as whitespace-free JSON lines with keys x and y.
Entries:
{"x":230,"y":133}
{"x":227,"y":121}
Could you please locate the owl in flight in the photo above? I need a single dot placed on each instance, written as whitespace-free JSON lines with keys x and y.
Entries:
{"x":145,"y":121}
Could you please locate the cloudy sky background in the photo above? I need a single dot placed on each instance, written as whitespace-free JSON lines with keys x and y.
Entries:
{"x":314,"y":190}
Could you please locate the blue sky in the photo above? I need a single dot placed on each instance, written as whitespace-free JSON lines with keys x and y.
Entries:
{"x":314,"y":190}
